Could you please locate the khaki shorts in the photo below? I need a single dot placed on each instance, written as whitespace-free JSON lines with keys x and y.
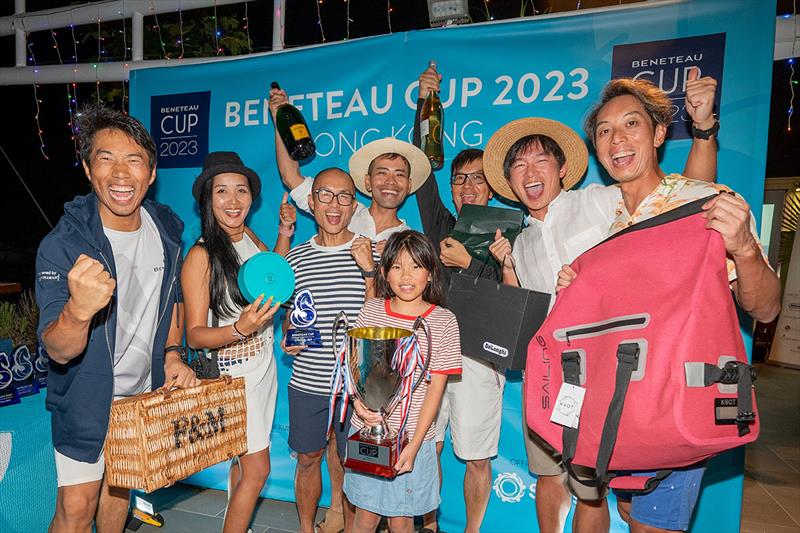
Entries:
{"x":543,"y":460}
{"x":472,"y":406}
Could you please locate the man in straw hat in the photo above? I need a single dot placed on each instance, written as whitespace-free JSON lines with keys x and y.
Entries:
{"x":627,"y":126}
{"x":109,"y":293}
{"x":536,"y":162}
{"x":387,"y":169}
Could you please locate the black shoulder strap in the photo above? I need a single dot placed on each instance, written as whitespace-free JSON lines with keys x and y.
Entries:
{"x":686,"y":210}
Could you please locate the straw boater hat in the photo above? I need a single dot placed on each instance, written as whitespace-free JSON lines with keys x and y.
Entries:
{"x":577,"y":156}
{"x":360,"y":161}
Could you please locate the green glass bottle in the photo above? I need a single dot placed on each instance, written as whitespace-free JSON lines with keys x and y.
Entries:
{"x":293,"y":130}
{"x":430,"y":127}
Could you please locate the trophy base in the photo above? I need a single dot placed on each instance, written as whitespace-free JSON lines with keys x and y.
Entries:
{"x":367,"y":456}
{"x":310,"y":337}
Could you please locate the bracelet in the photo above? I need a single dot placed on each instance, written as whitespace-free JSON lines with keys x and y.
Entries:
{"x":180,"y":349}
{"x":286,"y":231}
{"x":238,"y":334}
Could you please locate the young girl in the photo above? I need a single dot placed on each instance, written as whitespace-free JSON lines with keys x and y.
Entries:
{"x":408,"y":284}
{"x":219,"y":318}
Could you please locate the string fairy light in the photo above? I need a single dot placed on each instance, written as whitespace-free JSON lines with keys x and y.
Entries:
{"x":319,"y":19}
{"x":124,"y":33}
{"x":97,"y":81}
{"x":489,"y":16}
{"x":70,"y":99}
{"x":39,"y":131}
{"x":348,"y":20}
{"x":247,"y":29}
{"x":389,"y":14}
{"x":160,"y":38}
{"x":217,"y":33}
{"x":180,"y":29}
{"x":790,"y":62}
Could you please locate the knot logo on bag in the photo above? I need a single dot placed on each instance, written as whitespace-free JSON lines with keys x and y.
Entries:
{"x":195,"y":428}
{"x":495,"y":349}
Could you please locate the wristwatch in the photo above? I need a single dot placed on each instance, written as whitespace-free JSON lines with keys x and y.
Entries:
{"x":705,"y":134}
{"x":369,"y":273}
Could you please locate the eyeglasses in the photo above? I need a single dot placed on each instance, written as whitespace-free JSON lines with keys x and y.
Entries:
{"x":476,"y":178}
{"x":343,"y":198}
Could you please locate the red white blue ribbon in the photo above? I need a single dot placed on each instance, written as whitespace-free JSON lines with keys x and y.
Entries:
{"x":405,"y":361}
{"x":341,"y":380}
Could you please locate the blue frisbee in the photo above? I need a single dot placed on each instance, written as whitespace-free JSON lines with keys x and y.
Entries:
{"x":269,"y":274}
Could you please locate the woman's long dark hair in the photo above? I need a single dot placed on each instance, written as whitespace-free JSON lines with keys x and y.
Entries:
{"x":223,"y":260}
{"x":421,"y":250}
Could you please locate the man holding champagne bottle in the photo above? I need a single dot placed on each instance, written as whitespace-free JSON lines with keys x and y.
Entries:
{"x":387,"y":169}
{"x":472,"y":405}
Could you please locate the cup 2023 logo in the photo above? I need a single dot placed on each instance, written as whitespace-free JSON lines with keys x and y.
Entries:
{"x":179,"y":124}
{"x":667,"y":63}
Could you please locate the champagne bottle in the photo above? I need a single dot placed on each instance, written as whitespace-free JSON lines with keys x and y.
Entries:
{"x":430,"y":127}
{"x":293,"y":130}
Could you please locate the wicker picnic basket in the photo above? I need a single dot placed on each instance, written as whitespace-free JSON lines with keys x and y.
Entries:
{"x":158,"y":438}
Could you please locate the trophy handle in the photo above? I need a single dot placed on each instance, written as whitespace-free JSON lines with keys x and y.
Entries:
{"x":420,"y":321}
{"x":342,"y":317}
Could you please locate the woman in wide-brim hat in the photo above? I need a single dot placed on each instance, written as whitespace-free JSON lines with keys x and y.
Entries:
{"x":218,"y":318}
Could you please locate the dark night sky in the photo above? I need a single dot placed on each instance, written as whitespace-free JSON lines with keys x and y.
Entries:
{"x":57,"y":180}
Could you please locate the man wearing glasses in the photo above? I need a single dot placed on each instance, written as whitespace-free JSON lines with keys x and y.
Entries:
{"x":337,"y":249}
{"x":472,"y":403}
{"x":388,"y":170}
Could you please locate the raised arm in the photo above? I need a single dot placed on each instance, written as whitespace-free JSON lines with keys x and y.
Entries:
{"x":702,"y":161}
{"x":288,"y":168}
{"x":288,"y":218}
{"x":437,"y":221}
{"x":86,"y":289}
{"x":756,"y":286}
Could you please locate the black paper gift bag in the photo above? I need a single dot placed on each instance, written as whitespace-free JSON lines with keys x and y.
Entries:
{"x":496,"y":321}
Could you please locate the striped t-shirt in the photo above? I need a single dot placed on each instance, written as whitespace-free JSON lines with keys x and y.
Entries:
{"x":336,"y":283}
{"x":445,"y":356}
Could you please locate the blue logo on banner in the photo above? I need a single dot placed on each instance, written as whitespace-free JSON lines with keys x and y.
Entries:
{"x":666,"y":64}
{"x":179,"y":124}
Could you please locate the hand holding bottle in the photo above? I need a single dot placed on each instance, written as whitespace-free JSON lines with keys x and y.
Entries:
{"x":429,"y":81}
{"x":277,"y":98}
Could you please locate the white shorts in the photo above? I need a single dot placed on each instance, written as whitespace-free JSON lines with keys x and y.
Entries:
{"x":72,"y":472}
{"x":261,"y":394}
{"x":473,"y":406}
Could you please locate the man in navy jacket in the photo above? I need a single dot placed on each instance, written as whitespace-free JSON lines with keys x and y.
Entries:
{"x":108,"y":289}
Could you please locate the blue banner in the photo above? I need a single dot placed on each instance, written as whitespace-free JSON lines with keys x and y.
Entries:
{"x":551,"y":66}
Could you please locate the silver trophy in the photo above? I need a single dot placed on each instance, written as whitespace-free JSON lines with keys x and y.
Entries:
{"x":379,"y":386}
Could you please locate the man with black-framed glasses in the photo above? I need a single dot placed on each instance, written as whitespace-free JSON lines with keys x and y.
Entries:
{"x":336,"y":266}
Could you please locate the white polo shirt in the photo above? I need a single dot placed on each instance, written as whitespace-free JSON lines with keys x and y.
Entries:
{"x":575,"y":221}
{"x":362,"y":222}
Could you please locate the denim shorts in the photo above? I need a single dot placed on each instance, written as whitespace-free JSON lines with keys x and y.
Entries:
{"x":411,"y":494}
{"x":671,"y":504}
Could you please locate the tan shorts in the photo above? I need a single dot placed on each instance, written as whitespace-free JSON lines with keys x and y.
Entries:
{"x":472,"y":406}
{"x":543,"y":460}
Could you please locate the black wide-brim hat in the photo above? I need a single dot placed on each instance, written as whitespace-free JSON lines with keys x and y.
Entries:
{"x":220,"y":163}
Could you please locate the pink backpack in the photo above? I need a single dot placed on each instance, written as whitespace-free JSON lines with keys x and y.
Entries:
{"x":650,"y":330}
